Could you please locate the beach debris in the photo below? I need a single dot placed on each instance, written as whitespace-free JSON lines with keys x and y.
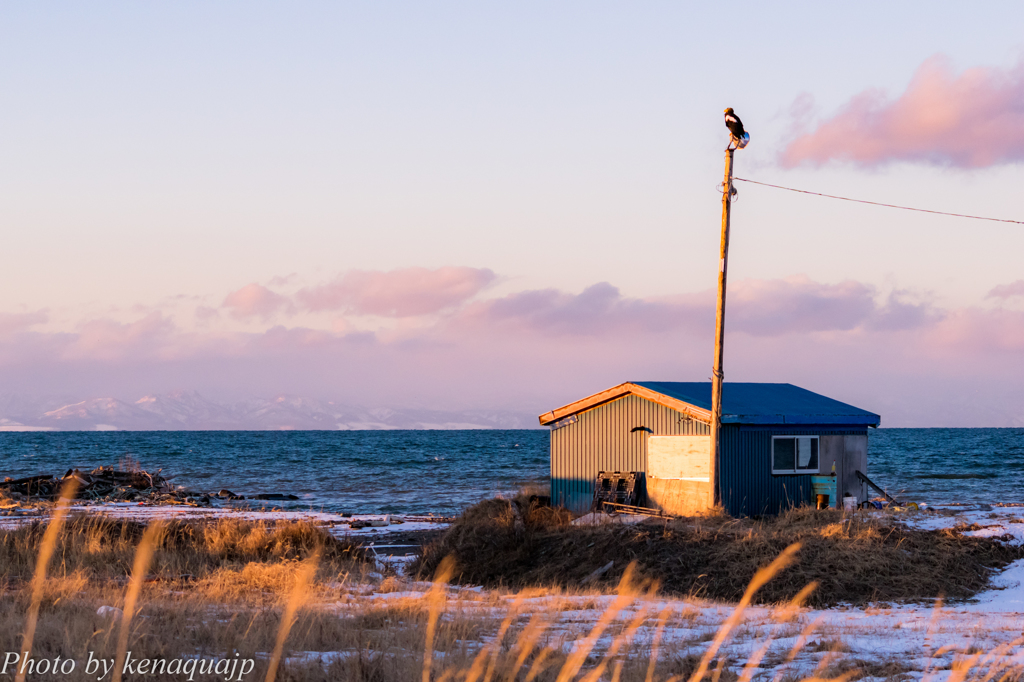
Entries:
{"x":102,"y":482}
{"x":111,"y":612}
{"x":414,"y":518}
{"x":42,"y":485}
{"x":619,"y":487}
{"x":107,"y":484}
{"x":371,"y":523}
{"x":614,"y":508}
{"x":17,"y":511}
{"x":598,"y":573}
{"x":601,"y":519}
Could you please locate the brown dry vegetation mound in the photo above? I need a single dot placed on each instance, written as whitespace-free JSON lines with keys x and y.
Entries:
{"x":855,"y":558}
{"x":105,"y":548}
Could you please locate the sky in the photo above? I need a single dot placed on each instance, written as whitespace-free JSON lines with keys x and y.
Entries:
{"x":510,"y":206}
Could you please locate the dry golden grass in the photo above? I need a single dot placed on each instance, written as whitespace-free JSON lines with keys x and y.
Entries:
{"x":296,"y":598}
{"x":143,"y":556}
{"x":290,"y":600}
{"x":255,"y":582}
{"x":38,"y":586}
{"x":105,"y":548}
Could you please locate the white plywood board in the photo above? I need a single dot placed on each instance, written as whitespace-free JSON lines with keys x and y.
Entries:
{"x":685,"y":457}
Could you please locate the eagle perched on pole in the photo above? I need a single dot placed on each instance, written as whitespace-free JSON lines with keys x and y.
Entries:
{"x":735,"y":126}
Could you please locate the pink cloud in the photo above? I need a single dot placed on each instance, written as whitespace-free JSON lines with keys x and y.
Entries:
{"x":205,"y":314}
{"x":283,"y":280}
{"x":281,"y":338}
{"x":533,"y":350}
{"x":598,"y":310}
{"x":111,"y":341}
{"x":779,"y":307}
{"x":971,"y":120}
{"x":1007,"y":290}
{"x":973,"y":329}
{"x":255,"y":300}
{"x":899,"y":313}
{"x":797,"y":304}
{"x":399,"y":293}
{"x":11,"y":323}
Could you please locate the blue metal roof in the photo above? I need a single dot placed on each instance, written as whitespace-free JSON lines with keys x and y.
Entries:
{"x":746,"y":403}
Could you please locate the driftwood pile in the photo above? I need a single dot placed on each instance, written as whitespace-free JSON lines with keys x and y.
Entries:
{"x":107,"y":484}
{"x":102,"y":484}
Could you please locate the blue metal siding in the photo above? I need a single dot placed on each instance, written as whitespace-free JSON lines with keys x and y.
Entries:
{"x":600,"y":440}
{"x":745,"y":472}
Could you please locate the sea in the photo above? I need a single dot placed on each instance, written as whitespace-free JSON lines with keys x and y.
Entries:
{"x":443,"y":472}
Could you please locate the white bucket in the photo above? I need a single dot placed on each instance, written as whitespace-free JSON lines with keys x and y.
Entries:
{"x":849,"y":503}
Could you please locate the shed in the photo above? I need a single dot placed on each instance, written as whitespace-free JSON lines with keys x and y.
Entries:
{"x":778,"y":442}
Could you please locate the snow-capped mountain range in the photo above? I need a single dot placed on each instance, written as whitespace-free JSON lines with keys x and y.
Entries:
{"x":189,"y":411}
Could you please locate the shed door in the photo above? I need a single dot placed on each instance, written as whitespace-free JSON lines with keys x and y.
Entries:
{"x":850,"y":455}
{"x":855,"y":458}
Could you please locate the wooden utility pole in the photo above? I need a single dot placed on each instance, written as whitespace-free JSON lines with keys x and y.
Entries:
{"x":717,"y":375}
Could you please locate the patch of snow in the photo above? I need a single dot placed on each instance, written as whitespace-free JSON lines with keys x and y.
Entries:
{"x":336,"y":524}
{"x":1007,"y":593}
{"x":398,"y":595}
{"x":601,"y":519}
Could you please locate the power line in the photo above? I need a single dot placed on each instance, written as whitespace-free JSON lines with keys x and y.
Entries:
{"x":877,"y":203}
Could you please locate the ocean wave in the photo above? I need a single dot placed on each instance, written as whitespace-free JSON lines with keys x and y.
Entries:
{"x":957,"y":477}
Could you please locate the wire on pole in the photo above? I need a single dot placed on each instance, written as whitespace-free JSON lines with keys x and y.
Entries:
{"x":878,"y":203}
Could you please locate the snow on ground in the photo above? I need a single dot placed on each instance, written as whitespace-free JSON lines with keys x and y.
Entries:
{"x":337,"y":524}
{"x":1007,"y":593}
{"x":915,"y":640}
{"x":918,"y":641}
{"x":922,"y":640}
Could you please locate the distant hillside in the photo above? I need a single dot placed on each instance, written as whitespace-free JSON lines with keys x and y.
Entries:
{"x":189,"y":411}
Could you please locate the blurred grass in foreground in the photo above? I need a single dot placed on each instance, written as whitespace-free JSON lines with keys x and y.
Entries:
{"x":307,"y":606}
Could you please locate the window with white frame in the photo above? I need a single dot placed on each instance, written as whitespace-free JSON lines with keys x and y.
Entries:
{"x":794,"y":454}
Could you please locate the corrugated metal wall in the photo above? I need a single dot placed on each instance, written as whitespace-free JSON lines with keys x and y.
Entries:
{"x":600,"y":440}
{"x":746,"y":482}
